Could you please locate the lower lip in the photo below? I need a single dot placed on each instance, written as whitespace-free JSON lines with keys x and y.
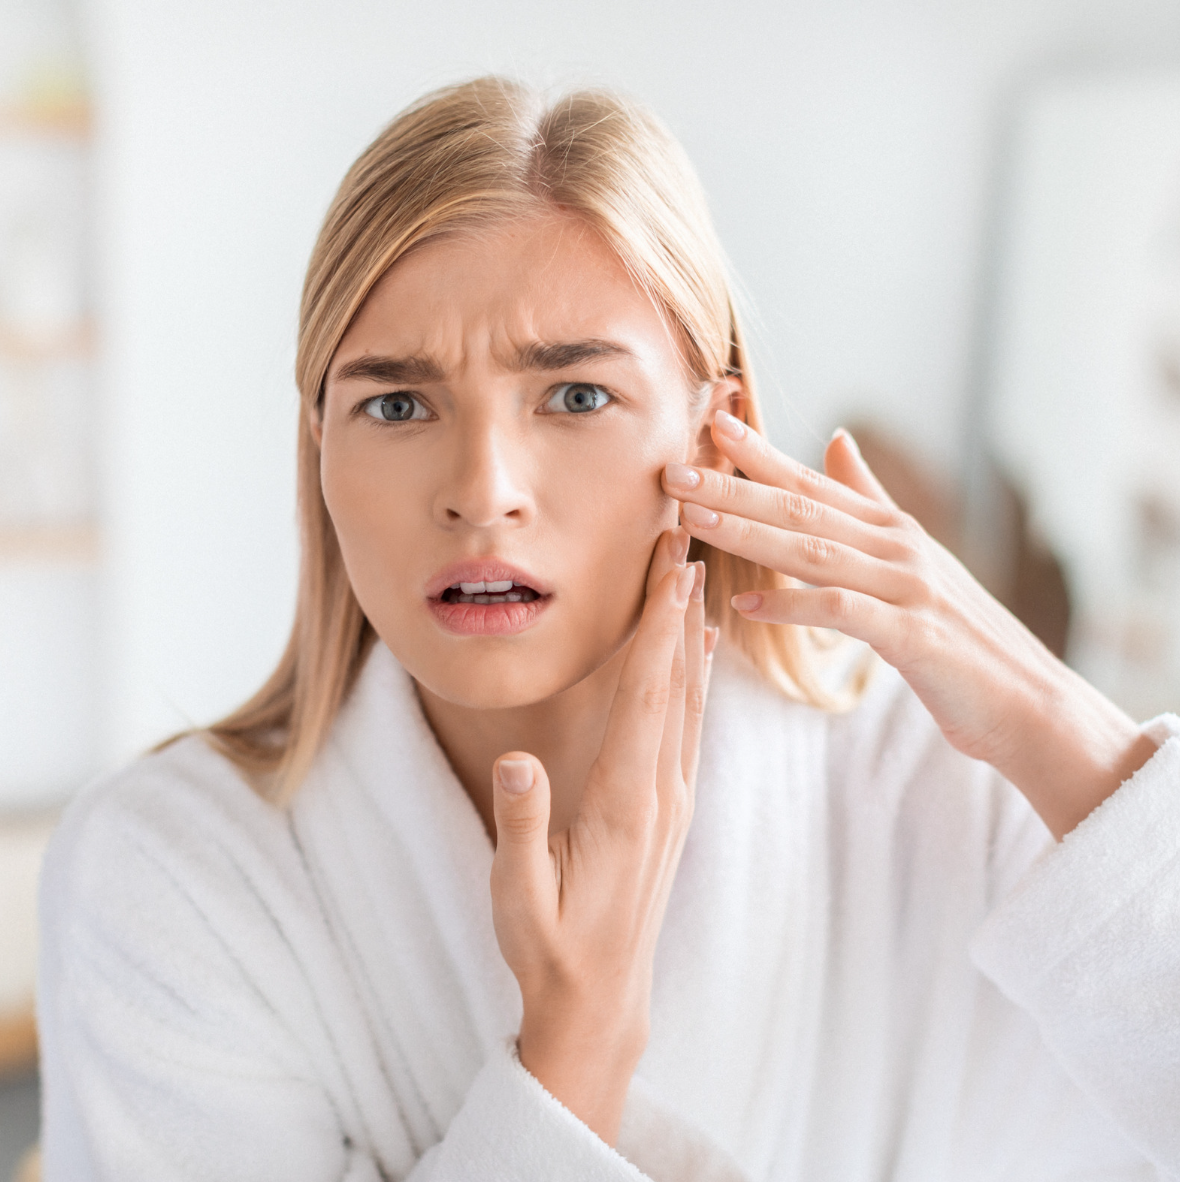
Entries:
{"x":487,"y":619}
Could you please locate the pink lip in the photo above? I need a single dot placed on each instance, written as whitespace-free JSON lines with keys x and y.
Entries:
{"x":485,"y":619}
{"x":482,"y":570}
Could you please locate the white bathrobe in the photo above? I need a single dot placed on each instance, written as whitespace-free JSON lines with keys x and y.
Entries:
{"x":875,"y":964}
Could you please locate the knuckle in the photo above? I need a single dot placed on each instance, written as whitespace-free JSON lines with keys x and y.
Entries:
{"x":694,"y":701}
{"x":653,"y":698}
{"x":817,"y":551}
{"x":909,"y":631}
{"x":728,"y":490}
{"x":647,"y":815}
{"x":919,"y":632}
{"x":905,"y":522}
{"x":518,"y":826}
{"x":908,"y":548}
{"x":636,"y":824}
{"x":796,"y":510}
{"x":838,"y":604}
{"x":918,"y":591}
{"x":810,"y":479}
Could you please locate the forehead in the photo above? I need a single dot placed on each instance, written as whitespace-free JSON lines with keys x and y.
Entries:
{"x":498,"y":289}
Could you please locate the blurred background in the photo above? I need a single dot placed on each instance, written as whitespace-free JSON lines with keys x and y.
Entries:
{"x":956,"y":225}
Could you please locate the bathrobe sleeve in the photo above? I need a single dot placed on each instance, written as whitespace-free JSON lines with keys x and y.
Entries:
{"x":185,"y":981}
{"x":1088,"y":943}
{"x":511,"y":1128}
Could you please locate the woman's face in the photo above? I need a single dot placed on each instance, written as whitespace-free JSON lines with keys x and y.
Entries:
{"x":494,"y":426}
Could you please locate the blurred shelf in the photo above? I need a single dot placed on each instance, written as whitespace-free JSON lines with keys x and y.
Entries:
{"x":70,"y":121}
{"x":18,"y":1042}
{"x":50,"y":543}
{"x":29,"y":348}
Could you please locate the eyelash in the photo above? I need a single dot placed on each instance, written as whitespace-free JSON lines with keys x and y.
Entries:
{"x":362,"y":408}
{"x":607,"y":397}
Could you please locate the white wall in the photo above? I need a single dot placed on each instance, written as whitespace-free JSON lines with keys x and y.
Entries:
{"x":1084,"y":410}
{"x":847,"y":148}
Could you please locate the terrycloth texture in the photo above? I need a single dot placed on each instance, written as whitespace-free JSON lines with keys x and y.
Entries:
{"x":230,"y":992}
{"x":1090,"y":946}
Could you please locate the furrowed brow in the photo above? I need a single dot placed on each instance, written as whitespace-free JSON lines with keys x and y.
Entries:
{"x":564,"y":354}
{"x":391,"y":371}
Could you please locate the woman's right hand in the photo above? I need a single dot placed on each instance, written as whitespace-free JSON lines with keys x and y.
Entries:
{"x":578,"y":913}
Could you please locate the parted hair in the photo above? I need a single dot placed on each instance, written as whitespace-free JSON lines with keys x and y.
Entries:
{"x":467,"y":155}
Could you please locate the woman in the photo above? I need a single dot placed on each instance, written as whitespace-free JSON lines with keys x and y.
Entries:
{"x":270,"y":949}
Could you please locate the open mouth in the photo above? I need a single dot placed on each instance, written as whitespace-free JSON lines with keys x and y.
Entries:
{"x":486,"y":597}
{"x":504,"y":591}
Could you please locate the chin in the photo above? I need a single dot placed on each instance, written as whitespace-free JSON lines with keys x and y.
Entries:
{"x":501,"y":684}
{"x":509,"y":678}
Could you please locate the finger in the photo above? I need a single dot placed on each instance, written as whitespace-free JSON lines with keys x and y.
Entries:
{"x":522,"y":873}
{"x":669,"y":775}
{"x":752,"y":454}
{"x":771,"y":505}
{"x":843,"y":462}
{"x":856,"y":615}
{"x":670,"y":551}
{"x":802,"y":556}
{"x":634,"y":729}
{"x":696,"y":676}
{"x":712,"y":635}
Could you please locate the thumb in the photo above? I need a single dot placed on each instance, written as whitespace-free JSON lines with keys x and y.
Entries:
{"x":520,"y":796}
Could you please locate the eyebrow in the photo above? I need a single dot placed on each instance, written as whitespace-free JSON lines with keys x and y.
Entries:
{"x":392,"y":371}
{"x":537,"y":356}
{"x":566,"y":353}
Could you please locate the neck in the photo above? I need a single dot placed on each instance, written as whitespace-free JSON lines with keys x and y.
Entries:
{"x":564,"y":732}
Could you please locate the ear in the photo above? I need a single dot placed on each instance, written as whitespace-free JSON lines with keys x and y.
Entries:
{"x":726,"y":394}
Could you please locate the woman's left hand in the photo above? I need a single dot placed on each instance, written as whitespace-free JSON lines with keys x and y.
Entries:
{"x":874,"y":574}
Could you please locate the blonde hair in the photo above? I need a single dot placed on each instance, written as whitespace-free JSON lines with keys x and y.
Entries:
{"x":486,"y":150}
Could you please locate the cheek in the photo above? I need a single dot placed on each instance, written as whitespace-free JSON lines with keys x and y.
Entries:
{"x":604,"y":508}
{"x":368,"y":501}
{"x":611,"y":491}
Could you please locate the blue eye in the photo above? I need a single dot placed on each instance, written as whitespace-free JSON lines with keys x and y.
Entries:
{"x":395,"y":408}
{"x":577,"y":398}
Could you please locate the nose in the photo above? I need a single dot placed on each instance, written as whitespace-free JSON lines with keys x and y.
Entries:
{"x":485,"y":483}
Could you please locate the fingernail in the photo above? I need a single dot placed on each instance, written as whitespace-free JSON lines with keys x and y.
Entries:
{"x":847,"y":439}
{"x":729,"y":426}
{"x":698,"y":585}
{"x":684,"y":582}
{"x":711,"y":637}
{"x":679,"y":547}
{"x":698,"y":515}
{"x":747,"y":602}
{"x":516,"y":775}
{"x":681,"y":476}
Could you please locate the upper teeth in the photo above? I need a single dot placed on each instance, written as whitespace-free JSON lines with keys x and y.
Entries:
{"x":496,"y":588}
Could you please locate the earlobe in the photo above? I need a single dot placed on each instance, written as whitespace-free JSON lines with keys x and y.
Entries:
{"x":727,"y":394}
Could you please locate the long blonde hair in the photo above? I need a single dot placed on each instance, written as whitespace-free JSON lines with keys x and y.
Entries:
{"x":459,"y":157}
